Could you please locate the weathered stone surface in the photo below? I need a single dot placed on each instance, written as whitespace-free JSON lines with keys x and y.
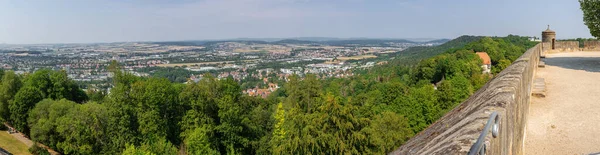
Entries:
{"x":541,"y":64}
{"x":562,"y":46}
{"x":539,"y":87}
{"x":591,"y":45}
{"x":508,"y":93}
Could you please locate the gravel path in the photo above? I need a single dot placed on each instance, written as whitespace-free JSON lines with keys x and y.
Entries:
{"x":567,"y":121}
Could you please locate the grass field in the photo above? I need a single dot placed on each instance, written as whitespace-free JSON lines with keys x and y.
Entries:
{"x":11,"y":144}
{"x":358,"y":57}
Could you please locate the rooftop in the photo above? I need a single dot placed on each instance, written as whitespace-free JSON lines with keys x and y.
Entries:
{"x":485,"y":58}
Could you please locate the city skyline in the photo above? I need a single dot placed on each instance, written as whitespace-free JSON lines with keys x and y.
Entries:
{"x":65,"y":21}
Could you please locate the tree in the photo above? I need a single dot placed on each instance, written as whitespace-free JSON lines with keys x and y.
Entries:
{"x":198,"y":142}
{"x":24,"y":101}
{"x":55,"y":85}
{"x":453,"y":91}
{"x":41,"y":81}
{"x":96,"y":96}
{"x":37,"y":150}
{"x":159,"y":146}
{"x":83,"y":129}
{"x":279,"y":131}
{"x":591,"y":15}
{"x":9,"y":86}
{"x":502,"y":64}
{"x":122,"y":122}
{"x":132,"y":150}
{"x":156,"y":110}
{"x":43,"y":120}
{"x":385,"y":132}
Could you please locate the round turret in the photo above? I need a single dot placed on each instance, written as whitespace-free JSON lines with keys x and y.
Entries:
{"x":548,"y":35}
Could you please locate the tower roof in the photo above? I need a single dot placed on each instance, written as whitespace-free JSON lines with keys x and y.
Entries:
{"x":548,"y":29}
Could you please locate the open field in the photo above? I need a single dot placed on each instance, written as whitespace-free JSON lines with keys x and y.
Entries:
{"x":270,"y":50}
{"x":244,"y":50}
{"x":390,"y":51}
{"x":191,"y":64}
{"x":11,"y":144}
{"x":358,"y":57}
{"x":201,"y":63}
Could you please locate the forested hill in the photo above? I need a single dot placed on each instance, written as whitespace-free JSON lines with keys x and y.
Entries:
{"x":414,"y":54}
{"x":373,"y":112}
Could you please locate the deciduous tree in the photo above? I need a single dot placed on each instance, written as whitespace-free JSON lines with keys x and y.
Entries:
{"x":591,"y":15}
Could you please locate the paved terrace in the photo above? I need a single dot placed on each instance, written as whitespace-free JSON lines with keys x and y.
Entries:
{"x":567,"y":120}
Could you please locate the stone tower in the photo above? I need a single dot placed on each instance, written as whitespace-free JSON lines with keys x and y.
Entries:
{"x":549,"y":36}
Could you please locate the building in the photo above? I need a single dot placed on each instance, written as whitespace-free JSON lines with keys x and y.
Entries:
{"x":549,"y":36}
{"x":486,"y":64}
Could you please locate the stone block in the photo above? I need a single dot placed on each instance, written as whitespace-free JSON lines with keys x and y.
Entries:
{"x":539,"y":87}
{"x":541,"y":64}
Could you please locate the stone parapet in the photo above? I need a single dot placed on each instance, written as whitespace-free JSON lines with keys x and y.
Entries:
{"x":508,"y":93}
{"x":591,"y":46}
{"x":561,"y":46}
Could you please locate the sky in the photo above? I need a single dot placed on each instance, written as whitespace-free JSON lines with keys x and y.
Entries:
{"x":92,"y":21}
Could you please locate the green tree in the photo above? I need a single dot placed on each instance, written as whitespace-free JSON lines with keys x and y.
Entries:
{"x":425,"y":97}
{"x":198,"y":142}
{"x":591,"y":15}
{"x":453,"y":91}
{"x":55,"y":85}
{"x":385,"y":132}
{"x":43,"y":120}
{"x":9,"y":86}
{"x":132,"y":150}
{"x":156,"y":108}
{"x":279,"y":131}
{"x":159,"y":146}
{"x":24,"y":101}
{"x":502,"y":64}
{"x":37,"y":150}
{"x":96,"y":96}
{"x":122,"y":122}
{"x":83,"y":129}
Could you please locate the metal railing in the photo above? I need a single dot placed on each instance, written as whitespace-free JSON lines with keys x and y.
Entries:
{"x":479,"y":146}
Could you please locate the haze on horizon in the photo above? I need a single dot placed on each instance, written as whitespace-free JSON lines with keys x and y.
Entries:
{"x":75,"y":21}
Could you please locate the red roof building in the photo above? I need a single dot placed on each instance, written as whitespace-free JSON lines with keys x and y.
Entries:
{"x":485,"y":58}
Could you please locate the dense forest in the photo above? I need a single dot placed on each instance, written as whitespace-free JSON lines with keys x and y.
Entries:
{"x":373,"y":112}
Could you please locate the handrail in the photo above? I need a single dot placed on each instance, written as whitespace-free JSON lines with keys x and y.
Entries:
{"x":479,"y":146}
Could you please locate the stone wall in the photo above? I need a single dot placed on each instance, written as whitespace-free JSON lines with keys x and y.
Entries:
{"x":508,"y":94}
{"x":566,"y":46}
{"x":561,"y":46}
{"x":591,"y":45}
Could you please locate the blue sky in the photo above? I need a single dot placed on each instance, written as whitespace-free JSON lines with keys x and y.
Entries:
{"x":85,"y":21}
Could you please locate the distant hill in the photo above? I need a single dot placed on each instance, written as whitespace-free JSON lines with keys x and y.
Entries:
{"x":181,"y":43}
{"x":420,"y":52}
{"x":438,"y":41}
{"x":303,"y":40}
{"x":238,"y":41}
{"x":356,"y":42}
{"x":295,"y":41}
{"x":366,"y":42}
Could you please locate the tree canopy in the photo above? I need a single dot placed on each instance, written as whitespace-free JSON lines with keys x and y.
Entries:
{"x":591,"y":15}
